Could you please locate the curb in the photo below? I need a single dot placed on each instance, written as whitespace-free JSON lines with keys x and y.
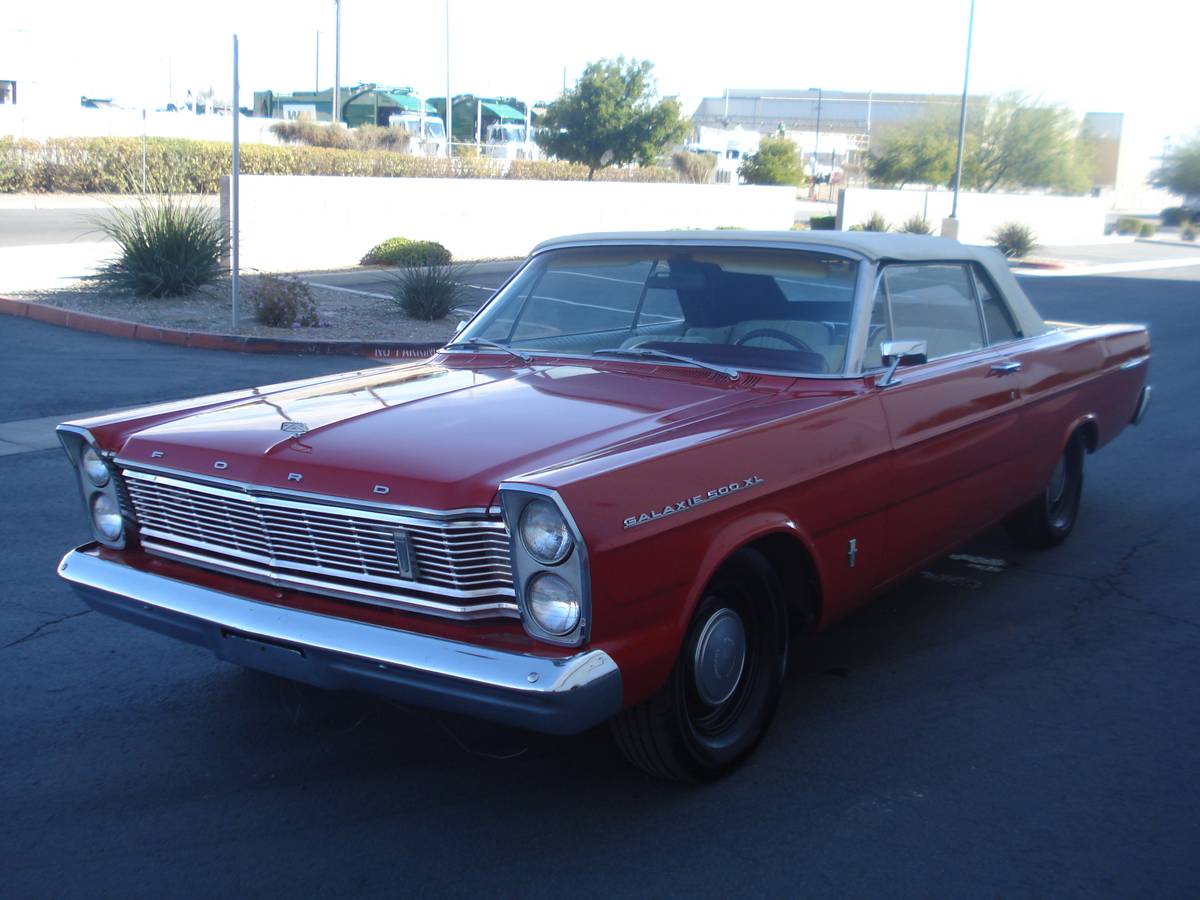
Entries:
{"x":1036,"y":264}
{"x":79,"y":321}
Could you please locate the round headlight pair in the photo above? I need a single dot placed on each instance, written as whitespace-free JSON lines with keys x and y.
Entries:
{"x":544,"y":533}
{"x":93,"y":467}
{"x":106,"y":517}
{"x":552,"y":604}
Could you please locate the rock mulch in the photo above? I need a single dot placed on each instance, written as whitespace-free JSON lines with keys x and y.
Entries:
{"x":350,"y":317}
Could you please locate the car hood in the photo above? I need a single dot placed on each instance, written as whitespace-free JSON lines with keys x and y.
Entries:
{"x":428,"y":435}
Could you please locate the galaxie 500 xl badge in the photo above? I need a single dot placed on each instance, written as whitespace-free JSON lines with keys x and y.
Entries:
{"x":698,"y":500}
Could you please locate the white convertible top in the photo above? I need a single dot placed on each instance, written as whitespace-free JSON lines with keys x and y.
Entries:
{"x":873,"y":245}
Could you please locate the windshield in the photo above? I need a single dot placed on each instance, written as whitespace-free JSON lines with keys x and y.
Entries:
{"x":737,"y":307}
{"x":502,"y":134}
{"x":435,"y":129}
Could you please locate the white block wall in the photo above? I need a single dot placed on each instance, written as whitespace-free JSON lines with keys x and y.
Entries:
{"x":293,"y":223}
{"x":1055,"y":220}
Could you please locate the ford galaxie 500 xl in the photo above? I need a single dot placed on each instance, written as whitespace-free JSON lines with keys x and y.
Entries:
{"x":639,"y":468}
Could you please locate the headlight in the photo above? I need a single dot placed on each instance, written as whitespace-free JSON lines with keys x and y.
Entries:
{"x":544,"y":533}
{"x":93,"y":467}
{"x":553,"y":603}
{"x":106,"y":517}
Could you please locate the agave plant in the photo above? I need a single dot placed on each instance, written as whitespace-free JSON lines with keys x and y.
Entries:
{"x":429,"y":293}
{"x":1014,"y":239}
{"x":168,"y":247}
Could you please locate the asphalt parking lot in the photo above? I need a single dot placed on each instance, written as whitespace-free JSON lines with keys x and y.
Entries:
{"x":1008,"y":724}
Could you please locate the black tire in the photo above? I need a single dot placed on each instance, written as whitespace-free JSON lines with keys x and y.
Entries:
{"x":688,"y":733}
{"x":1047,"y":520}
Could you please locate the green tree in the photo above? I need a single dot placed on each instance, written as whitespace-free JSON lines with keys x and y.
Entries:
{"x":1012,"y":142}
{"x":612,"y":117}
{"x":1180,"y":172}
{"x":1021,"y":143}
{"x":918,"y":152}
{"x":775,"y":162}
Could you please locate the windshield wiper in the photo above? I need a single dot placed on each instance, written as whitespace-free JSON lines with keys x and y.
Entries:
{"x":650,"y":353}
{"x":475,"y":343}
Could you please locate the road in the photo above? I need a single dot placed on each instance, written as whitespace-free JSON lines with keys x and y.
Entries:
{"x":1008,"y":724}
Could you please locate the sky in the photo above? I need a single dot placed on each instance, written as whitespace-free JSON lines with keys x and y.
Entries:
{"x":1137,"y":58}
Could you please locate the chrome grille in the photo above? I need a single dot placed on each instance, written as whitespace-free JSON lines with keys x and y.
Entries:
{"x":463,"y":561}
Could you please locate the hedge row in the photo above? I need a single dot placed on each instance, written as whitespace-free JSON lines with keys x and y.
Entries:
{"x":114,"y":165}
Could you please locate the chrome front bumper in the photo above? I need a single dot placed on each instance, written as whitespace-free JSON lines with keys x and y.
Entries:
{"x":559,"y":695}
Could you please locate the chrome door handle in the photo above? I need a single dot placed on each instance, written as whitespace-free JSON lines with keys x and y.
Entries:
{"x":1006,"y":367}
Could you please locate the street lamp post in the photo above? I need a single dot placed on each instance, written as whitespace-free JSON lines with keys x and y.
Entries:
{"x":817,"y":138}
{"x":449,"y":109}
{"x":962,"y":122}
{"x":336,"y":107}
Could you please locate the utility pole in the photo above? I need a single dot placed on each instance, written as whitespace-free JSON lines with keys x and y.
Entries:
{"x":962,"y":122}
{"x":817,"y":136}
{"x":235,"y":197}
{"x":449,"y":109}
{"x":317,"y":66}
{"x":337,"y":66}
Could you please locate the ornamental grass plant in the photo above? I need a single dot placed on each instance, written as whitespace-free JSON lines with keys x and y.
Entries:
{"x":167,"y":247}
{"x":429,"y":293}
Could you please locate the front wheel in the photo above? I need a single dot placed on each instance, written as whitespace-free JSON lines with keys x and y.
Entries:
{"x":725,"y":685}
{"x":1047,"y":520}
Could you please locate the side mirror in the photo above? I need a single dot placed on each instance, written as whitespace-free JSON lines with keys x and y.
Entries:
{"x":895,"y":354}
{"x":904,"y":353}
{"x":460,"y":326}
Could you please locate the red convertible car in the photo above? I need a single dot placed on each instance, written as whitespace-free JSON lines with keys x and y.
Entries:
{"x":637,"y":471}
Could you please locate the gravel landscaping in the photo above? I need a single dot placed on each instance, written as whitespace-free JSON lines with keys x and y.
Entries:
{"x":350,"y":317}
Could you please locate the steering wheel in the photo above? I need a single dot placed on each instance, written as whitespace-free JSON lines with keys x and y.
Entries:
{"x":777,"y":335}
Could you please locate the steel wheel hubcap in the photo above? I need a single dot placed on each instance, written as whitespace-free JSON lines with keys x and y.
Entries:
{"x":720,"y":656}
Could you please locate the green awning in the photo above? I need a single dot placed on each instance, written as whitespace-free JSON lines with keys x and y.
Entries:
{"x":406,"y":102}
{"x":504,"y":111}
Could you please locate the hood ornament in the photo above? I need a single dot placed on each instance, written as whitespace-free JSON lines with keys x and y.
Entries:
{"x":295,"y":429}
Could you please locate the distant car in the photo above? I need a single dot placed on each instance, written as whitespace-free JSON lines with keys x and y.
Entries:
{"x":616,"y":494}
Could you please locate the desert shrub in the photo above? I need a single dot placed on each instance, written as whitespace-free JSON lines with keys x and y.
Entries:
{"x":694,"y":168}
{"x":17,"y":165}
{"x":429,"y":293}
{"x":1129,"y":225}
{"x":284,"y":303}
{"x":168,"y":247}
{"x":876,"y":222}
{"x":800,"y":226}
{"x":1147,"y":230}
{"x":399,"y":251}
{"x":916,"y":224}
{"x":378,"y":137}
{"x":822,"y":223}
{"x":313,"y":134}
{"x":1014,"y":239}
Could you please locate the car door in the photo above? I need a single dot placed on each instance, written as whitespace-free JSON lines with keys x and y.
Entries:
{"x":956,"y":441}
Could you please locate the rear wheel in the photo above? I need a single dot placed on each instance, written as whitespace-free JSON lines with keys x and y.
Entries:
{"x":1048,"y":519}
{"x":725,"y":686}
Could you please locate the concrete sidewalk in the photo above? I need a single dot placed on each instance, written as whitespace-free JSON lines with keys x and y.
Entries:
{"x":1110,"y":258}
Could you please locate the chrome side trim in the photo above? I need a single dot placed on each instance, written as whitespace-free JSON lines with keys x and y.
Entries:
{"x":1139,"y":412}
{"x":324,"y":500}
{"x":362,"y":593}
{"x":562,"y":694}
{"x":1134,"y":361}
